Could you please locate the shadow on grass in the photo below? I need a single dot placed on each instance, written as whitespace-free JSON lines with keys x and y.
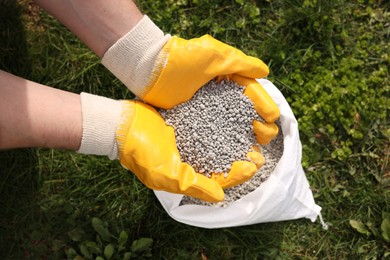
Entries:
{"x":18,"y":203}
{"x":14,"y":56}
{"x":18,"y":178}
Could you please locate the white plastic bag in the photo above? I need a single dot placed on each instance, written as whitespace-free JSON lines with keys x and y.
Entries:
{"x":285,"y":195}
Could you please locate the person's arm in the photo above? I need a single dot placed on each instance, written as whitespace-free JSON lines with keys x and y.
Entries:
{"x":98,"y":23}
{"x":34,"y":115}
{"x":161,"y":70}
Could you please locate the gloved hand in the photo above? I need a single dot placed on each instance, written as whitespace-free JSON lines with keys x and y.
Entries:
{"x":264,"y":132}
{"x":135,"y":133}
{"x":165,"y":71}
{"x":264,"y":106}
{"x":241,"y":171}
{"x":147,"y":147}
{"x":186,"y":65}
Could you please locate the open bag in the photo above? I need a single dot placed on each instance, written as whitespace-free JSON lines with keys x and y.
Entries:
{"x":285,"y":195}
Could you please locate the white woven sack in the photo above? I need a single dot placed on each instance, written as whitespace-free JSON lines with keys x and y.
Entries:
{"x":285,"y":195}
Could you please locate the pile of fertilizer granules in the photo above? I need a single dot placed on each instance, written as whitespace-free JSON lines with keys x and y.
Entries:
{"x":214,"y":129}
{"x":272,"y":154}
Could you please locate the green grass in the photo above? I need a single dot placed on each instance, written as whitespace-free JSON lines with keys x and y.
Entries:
{"x":329,"y":58}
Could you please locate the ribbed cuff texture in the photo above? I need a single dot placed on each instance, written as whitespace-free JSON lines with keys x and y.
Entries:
{"x":132,"y":58}
{"x":101,"y":117}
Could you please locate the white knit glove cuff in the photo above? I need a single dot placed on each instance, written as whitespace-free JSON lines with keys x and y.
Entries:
{"x":132,"y":58}
{"x":100,"y":119}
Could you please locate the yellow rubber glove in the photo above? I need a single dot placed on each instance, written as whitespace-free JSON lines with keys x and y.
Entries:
{"x":147,"y":147}
{"x":264,"y":132}
{"x":241,"y":171}
{"x":183,"y":66}
{"x":264,"y":106}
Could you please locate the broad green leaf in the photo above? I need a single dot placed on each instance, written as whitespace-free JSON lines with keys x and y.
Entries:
{"x":362,"y":249}
{"x":282,"y":54}
{"x":99,"y":241}
{"x":122,"y":240}
{"x":346,"y":194}
{"x":127,"y":256}
{"x":359,"y":226}
{"x":70,"y":253}
{"x":372,"y":228}
{"x":76,"y":234}
{"x":109,"y":251}
{"x":85,"y":252}
{"x":337,"y":188}
{"x":99,"y":227}
{"x":141,"y":244}
{"x":253,"y":12}
{"x":99,"y":258}
{"x":93,"y":247}
{"x":385,"y":226}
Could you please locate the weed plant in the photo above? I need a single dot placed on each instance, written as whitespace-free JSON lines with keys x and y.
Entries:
{"x":329,"y":58}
